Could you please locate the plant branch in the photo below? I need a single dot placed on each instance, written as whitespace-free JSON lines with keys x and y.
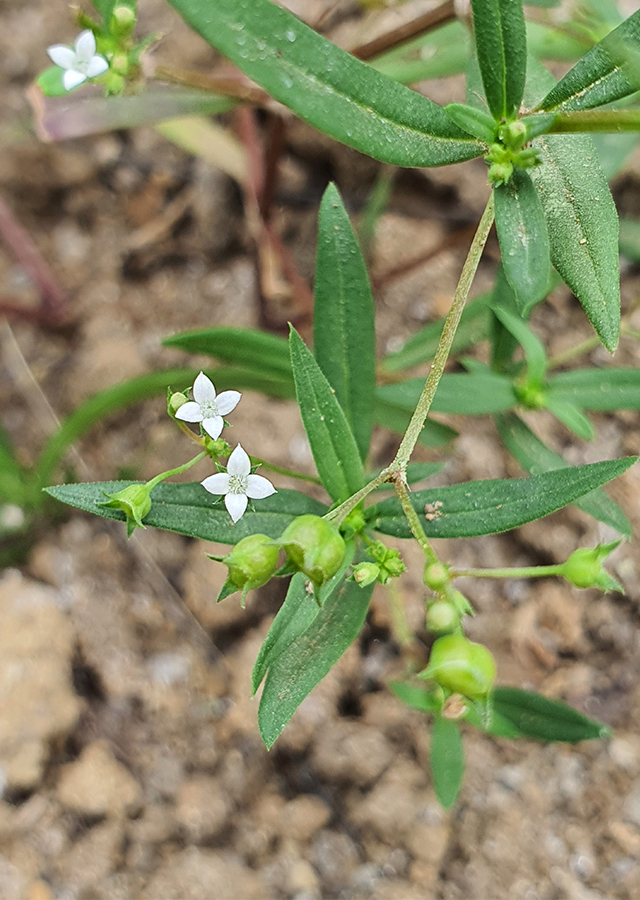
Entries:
{"x":603,"y":120}
{"x":417,"y":530}
{"x":446,"y":339}
{"x":526,"y":572}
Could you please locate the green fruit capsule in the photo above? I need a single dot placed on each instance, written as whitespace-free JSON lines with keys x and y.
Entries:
{"x":461,"y":666}
{"x":442,"y":617}
{"x":252,"y":562}
{"x":314,"y":547}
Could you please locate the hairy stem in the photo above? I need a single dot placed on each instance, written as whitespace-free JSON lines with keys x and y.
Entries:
{"x":417,"y":530}
{"x":525,"y":572}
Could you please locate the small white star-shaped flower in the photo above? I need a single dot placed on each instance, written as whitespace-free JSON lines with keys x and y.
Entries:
{"x":237,"y":484}
{"x":80,"y":61}
{"x":208,"y":408}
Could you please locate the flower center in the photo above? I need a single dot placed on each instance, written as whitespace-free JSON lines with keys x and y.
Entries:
{"x":238,"y":484}
{"x":209,"y":409}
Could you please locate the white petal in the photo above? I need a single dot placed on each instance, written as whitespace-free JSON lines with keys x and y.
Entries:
{"x":236,"y":505}
{"x":97,"y":66}
{"x":238,"y":463}
{"x":213,"y":426}
{"x":203,"y":389}
{"x":227,"y":401}
{"x":72,"y":79}
{"x":62,"y":56}
{"x":189,"y":412}
{"x":217,"y":484}
{"x":258,"y":487}
{"x":85,"y":45}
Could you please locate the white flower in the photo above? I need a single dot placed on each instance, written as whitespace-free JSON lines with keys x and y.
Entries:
{"x":208,"y":408}
{"x":237,"y":484}
{"x":81,"y":61}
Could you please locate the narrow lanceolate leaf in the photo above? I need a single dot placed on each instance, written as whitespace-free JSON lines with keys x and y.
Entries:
{"x":344,"y":339}
{"x":524,"y":239}
{"x":531,"y":344}
{"x":296,"y":614}
{"x":570,"y":415}
{"x":243,"y":347}
{"x":446,"y":757}
{"x":189,"y":509}
{"x":299,"y":668}
{"x":332,"y":442}
{"x":538,"y":717}
{"x":609,"y":71}
{"x":327,"y":87}
{"x":501,"y":44}
{"x":472,"y":394}
{"x":535,"y":457}
{"x":600,"y":390}
{"x":415,"y":697}
{"x":583,"y":227}
{"x":494,"y":506}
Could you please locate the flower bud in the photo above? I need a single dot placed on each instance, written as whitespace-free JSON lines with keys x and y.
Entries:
{"x":514,"y":134}
{"x":436,"y":576}
{"x":123,"y":20}
{"x":252,"y":562}
{"x":175,"y":401}
{"x":442,"y":617}
{"x":460,"y":666}
{"x":366,"y":573}
{"x":584,"y":568}
{"x":314,"y":547}
{"x":134,"y":501}
{"x":500,"y":173}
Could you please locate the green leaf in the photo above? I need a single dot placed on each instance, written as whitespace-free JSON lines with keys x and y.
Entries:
{"x":538,"y":717}
{"x":244,"y":347}
{"x":421,"y":347}
{"x":599,"y":390}
{"x":524,"y":239}
{"x":473,"y":121}
{"x":614,"y":150}
{"x":548,"y":42}
{"x":295,"y":615}
{"x":569,"y":414}
{"x":535,"y":457}
{"x":189,"y":509}
{"x":531,"y":344}
{"x":305,"y":662}
{"x":609,"y":71}
{"x":501,"y":43}
{"x":332,"y":443}
{"x":125,"y":394}
{"x":496,"y":725}
{"x":583,"y":227}
{"x":474,"y":394}
{"x":326,"y":86}
{"x":494,"y":506}
{"x":396,"y":418}
{"x":416,"y":697}
{"x":344,"y":338}
{"x":446,"y":757}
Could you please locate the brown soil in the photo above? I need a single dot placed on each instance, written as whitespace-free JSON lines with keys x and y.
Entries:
{"x":130,"y":751}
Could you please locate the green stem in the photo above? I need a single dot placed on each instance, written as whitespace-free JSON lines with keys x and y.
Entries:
{"x":282,"y":470}
{"x":526,"y":572}
{"x":177,"y":471}
{"x":412,"y":517}
{"x":399,"y":464}
{"x":399,"y":623}
{"x":571,"y":352}
{"x":446,"y":339}
{"x":604,"y":120}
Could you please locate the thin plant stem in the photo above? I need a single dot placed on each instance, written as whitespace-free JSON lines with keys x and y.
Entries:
{"x":399,"y":624}
{"x":282,"y":470}
{"x":526,"y":572}
{"x":571,"y":352}
{"x":417,"y":530}
{"x":416,"y":424}
{"x":177,"y":471}
{"x":611,"y":121}
{"x":446,"y":339}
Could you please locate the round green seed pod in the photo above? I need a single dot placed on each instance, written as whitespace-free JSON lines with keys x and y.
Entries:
{"x":442,"y":617}
{"x":253,"y":561}
{"x":461,"y":666}
{"x":314,"y":547}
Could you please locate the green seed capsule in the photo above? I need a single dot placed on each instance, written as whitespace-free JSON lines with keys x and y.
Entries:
{"x":461,"y":666}
{"x":314,"y":547}
{"x":442,"y":617}
{"x":252,"y":562}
